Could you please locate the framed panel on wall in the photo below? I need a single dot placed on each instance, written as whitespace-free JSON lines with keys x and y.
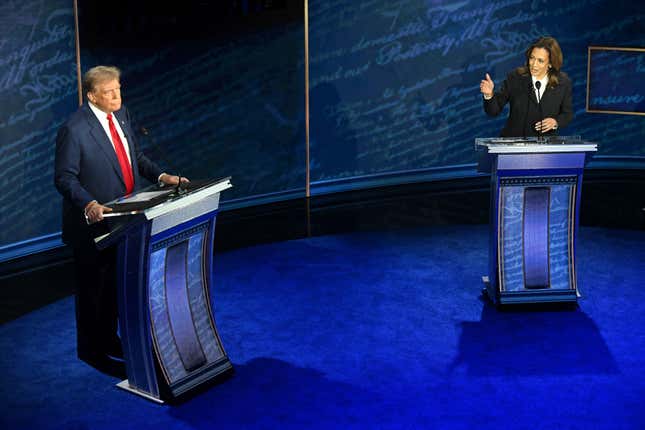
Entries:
{"x":616,"y":80}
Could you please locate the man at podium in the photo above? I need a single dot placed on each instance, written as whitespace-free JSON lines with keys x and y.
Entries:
{"x":97,"y":160}
{"x":538,"y":93}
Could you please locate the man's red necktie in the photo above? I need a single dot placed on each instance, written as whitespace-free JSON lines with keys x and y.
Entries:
{"x":126,"y":168}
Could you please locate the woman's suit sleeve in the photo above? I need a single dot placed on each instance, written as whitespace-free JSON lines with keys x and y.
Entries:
{"x":495,"y":105}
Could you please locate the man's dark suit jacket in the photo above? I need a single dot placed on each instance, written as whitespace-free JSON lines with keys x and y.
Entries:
{"x":87,"y":169}
{"x":517,"y":90}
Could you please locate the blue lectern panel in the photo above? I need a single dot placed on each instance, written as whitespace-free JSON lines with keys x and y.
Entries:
{"x":166,"y":348}
{"x":560,"y":225}
{"x":198,"y":299}
{"x":178,"y":305}
{"x":512,"y":200}
{"x":183,"y":329}
{"x":134,"y":321}
{"x":540,"y":161}
{"x":536,"y":235}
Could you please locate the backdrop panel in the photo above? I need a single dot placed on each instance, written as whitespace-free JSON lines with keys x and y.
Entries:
{"x":38,"y":91}
{"x":217,"y":86}
{"x":395,"y":84}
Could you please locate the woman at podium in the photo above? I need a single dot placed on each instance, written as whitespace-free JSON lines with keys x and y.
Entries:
{"x":538,"y":93}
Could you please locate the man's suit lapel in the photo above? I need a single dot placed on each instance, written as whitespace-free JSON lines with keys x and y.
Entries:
{"x":103,"y":142}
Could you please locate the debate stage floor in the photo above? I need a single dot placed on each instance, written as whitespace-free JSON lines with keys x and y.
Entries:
{"x":370,"y":329}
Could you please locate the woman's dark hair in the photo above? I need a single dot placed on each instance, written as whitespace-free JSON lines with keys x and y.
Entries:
{"x":555,"y":58}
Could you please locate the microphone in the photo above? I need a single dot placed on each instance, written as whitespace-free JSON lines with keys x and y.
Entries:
{"x":178,"y":190}
{"x":538,"y":84}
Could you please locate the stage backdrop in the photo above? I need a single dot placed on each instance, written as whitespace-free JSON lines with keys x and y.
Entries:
{"x":217,"y":89}
{"x":395,"y":84}
{"x":38,"y":89}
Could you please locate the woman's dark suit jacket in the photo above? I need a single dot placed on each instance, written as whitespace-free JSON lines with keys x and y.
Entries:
{"x":518,"y":91}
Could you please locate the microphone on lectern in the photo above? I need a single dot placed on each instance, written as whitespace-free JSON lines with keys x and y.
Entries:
{"x":178,"y":188}
{"x":538,"y":84}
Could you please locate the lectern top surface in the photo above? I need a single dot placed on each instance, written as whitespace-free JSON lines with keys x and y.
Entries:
{"x":155,"y":195}
{"x":535,"y":144}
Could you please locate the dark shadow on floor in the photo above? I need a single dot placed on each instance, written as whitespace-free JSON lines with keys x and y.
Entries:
{"x":273,"y":394}
{"x":533,"y":340}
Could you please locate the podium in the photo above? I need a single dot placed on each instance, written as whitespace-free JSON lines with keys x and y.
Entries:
{"x":165,"y":238}
{"x":534,"y":211}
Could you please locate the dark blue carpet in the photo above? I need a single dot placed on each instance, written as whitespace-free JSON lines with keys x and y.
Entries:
{"x":370,"y":330}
